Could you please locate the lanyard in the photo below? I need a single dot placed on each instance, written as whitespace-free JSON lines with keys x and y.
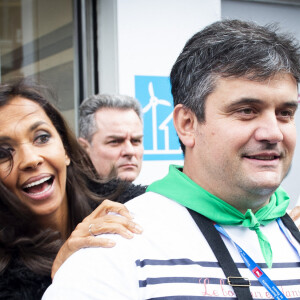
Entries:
{"x":254,"y":268}
{"x":287,"y":235}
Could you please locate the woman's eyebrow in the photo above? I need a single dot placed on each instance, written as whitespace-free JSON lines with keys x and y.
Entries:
{"x":4,"y":138}
{"x":37,"y":124}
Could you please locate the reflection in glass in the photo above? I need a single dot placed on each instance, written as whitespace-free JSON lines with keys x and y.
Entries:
{"x":36,"y":39}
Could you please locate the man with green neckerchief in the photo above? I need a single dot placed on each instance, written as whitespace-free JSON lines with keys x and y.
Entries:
{"x":215,"y":228}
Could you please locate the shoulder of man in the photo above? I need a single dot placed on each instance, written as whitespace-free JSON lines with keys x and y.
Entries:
{"x":122,"y":191}
{"x":131,"y":191}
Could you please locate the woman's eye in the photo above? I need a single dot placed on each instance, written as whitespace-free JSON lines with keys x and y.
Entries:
{"x":43,"y":138}
{"x":6,"y":153}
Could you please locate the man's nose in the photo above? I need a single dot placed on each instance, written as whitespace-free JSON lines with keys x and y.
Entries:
{"x":127,"y":148}
{"x":269,"y":129}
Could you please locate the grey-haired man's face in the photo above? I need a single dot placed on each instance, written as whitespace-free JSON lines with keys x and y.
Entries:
{"x":117,"y":144}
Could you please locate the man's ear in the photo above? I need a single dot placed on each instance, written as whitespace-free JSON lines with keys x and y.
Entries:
{"x":185,"y":123}
{"x":84,"y":144}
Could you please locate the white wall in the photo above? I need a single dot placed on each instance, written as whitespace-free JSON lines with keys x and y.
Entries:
{"x":151,"y":35}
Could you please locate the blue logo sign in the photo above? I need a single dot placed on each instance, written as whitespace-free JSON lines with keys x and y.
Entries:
{"x":160,"y":138}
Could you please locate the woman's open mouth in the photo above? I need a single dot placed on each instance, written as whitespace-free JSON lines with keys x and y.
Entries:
{"x":40,"y":188}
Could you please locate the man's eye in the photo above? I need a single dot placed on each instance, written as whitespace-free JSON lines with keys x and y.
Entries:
{"x":247,"y":111}
{"x":286,"y":113}
{"x":137,"y":141}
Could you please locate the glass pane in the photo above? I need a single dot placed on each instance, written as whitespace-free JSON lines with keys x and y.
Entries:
{"x":36,"y":39}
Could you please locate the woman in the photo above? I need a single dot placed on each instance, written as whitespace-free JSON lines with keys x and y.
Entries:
{"x":47,"y":187}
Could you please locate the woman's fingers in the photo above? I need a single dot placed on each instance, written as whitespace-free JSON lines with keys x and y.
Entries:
{"x":77,"y":240}
{"x":112,"y":212}
{"x":106,"y":224}
{"x":115,"y":228}
{"x":108,"y":206}
{"x":108,"y":217}
{"x":90,"y":241}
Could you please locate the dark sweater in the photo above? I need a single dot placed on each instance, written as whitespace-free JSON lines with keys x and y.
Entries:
{"x":20,"y":283}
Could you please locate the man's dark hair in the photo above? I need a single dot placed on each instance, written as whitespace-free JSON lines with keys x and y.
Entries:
{"x":230,"y":48}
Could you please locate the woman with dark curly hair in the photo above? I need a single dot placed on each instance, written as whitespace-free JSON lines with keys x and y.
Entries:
{"x":49,"y":193}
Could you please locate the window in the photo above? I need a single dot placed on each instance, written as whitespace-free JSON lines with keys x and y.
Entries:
{"x":54,"y":42}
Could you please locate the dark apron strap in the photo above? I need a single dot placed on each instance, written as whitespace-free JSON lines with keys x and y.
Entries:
{"x":291,"y":226}
{"x":239,"y":284}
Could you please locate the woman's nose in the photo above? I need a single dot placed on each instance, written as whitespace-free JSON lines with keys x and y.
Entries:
{"x":29,"y":157}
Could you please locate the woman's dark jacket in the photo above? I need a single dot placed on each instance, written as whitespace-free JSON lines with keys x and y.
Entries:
{"x":19,"y":283}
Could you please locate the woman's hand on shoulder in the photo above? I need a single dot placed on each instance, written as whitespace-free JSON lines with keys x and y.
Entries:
{"x":108,"y":217}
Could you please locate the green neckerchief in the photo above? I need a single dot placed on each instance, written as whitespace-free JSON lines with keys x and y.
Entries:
{"x":179,"y":187}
